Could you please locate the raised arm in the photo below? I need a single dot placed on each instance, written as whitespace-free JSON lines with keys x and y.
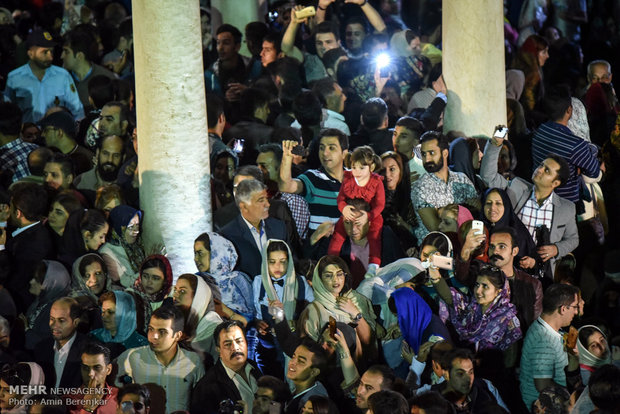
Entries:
{"x":288,"y":40}
{"x":371,"y":14}
{"x":488,"y":167}
{"x":287,"y":183}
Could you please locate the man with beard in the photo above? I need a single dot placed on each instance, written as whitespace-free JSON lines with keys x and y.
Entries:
{"x":439,"y":186}
{"x":232,"y":378}
{"x":163,"y":361}
{"x":38,"y":85}
{"x":526,"y":292}
{"x":110,"y":157}
{"x":114,"y":120}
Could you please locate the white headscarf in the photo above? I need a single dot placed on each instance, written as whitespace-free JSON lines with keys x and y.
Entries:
{"x":289,"y":299}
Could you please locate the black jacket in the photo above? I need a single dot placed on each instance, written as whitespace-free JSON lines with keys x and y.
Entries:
{"x":71,"y":374}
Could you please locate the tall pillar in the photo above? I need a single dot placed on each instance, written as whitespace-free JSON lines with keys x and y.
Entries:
{"x":473,"y":65}
{"x":173,"y":146}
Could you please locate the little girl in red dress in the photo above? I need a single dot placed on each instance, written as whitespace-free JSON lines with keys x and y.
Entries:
{"x":362,"y":183}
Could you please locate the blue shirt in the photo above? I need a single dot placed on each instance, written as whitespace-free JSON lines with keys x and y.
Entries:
{"x":35,"y":96}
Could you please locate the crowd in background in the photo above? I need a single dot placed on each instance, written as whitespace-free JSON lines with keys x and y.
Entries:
{"x":364,"y":259}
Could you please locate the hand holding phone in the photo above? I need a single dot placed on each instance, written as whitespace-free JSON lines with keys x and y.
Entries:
{"x":478,"y":227}
{"x":332,"y":328}
{"x":500,"y":132}
{"x":442,"y":262}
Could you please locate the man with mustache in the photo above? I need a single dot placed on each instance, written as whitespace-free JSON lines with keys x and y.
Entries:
{"x":110,"y":155}
{"x":525,"y":291}
{"x":439,"y":186}
{"x":232,"y":378}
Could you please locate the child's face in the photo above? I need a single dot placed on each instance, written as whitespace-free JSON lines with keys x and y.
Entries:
{"x":448,"y":222}
{"x":277,"y":263}
{"x":360,"y":172}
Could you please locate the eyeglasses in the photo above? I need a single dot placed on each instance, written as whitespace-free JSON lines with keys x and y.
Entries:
{"x":135,"y":228}
{"x":126,"y":405}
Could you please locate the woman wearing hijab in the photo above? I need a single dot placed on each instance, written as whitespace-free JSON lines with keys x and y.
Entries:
{"x":486,"y":319}
{"x":594,"y":351}
{"x":124,"y":252}
{"x":118,"y":313}
{"x":465,"y":157}
{"x":334,"y":297}
{"x":194,"y":295}
{"x":215,"y":258}
{"x":154,"y":281}
{"x":497,"y":212}
{"x":90,"y":277}
{"x":21,"y":374}
{"x":51,"y":281}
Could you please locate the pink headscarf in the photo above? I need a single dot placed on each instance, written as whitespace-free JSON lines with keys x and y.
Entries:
{"x":463,"y":216}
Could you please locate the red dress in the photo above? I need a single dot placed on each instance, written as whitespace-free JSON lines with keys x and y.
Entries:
{"x":374,"y":194}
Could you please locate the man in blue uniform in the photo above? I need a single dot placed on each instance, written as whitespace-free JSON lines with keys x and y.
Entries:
{"x":38,"y":85}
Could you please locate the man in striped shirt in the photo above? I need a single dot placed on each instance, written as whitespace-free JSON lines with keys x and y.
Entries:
{"x":555,"y":137}
{"x":319,"y":187}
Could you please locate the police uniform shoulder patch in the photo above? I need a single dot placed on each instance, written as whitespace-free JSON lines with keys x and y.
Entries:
{"x":47,"y":36}
{"x":72,"y":86}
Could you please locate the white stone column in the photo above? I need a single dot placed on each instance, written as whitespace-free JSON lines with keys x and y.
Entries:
{"x":173,"y":147}
{"x":473,"y":65}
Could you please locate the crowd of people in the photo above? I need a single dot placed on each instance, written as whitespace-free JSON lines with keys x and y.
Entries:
{"x":363,"y":258}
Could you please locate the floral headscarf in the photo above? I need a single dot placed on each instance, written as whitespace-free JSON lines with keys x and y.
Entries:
{"x":167,"y":286}
{"x":498,"y":327}
{"x":120,"y":216}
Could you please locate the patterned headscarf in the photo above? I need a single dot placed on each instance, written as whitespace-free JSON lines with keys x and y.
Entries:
{"x":167,"y":286}
{"x":290,"y":285}
{"x":120,"y":216}
{"x":78,"y":283}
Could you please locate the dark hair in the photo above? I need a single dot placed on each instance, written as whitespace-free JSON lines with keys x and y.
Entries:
{"x":359,"y":204}
{"x":67,"y":166}
{"x":604,"y":385}
{"x":307,"y":108}
{"x":357,"y":20}
{"x":431,"y":402}
{"x":323,"y":88}
{"x":494,"y":274}
{"x":226,"y":326}
{"x":10,"y":118}
{"x":92,"y":221}
{"x":97,"y":348}
{"x":275,"y":39}
{"x":75,"y":309}
{"x":456,"y":353}
{"x":137,"y":389}
{"x":90,"y":259}
{"x":31,"y":199}
{"x":252,"y":99}
{"x":250,"y":170}
{"x":412,"y":125}
{"x":442,"y":141}
{"x":215,"y":108}
{"x":438,"y":241}
{"x":386,"y":373}
{"x":17,"y":374}
{"x":398,"y":159}
{"x":507,"y":230}
{"x":82,"y":41}
{"x":275,"y":148}
{"x":319,"y":358}
{"x":331,"y":56}
{"x":171,"y":313}
{"x":336,"y":261}
{"x":68,"y":201}
{"x":204,"y":239}
{"x":277,"y":246}
{"x":557,"y":295}
{"x":388,"y":402}
{"x":321,"y":405}
{"x":229,"y":28}
{"x":192,"y":280}
{"x":123,"y":114}
{"x":374,"y":112}
{"x":365,"y":155}
{"x":434,"y":74}
{"x":585,"y":333}
{"x":564,"y":171}
{"x":556,"y":102}
{"x":281,"y":392}
{"x":37,"y":158}
{"x":343,"y":139}
{"x":327,"y":27}
{"x":154,"y":262}
{"x":438,"y":352}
